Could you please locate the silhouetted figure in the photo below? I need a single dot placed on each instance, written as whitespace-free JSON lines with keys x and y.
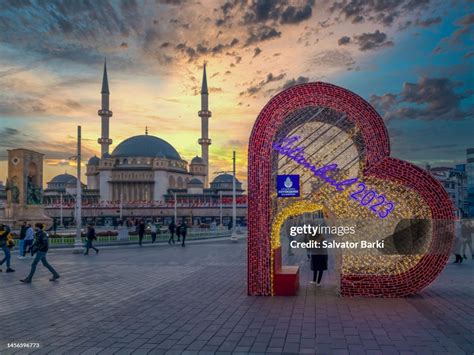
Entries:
{"x":172,"y":229}
{"x":23,"y":229}
{"x":178,"y":232}
{"x":319,"y":260}
{"x":91,"y":236}
{"x":467,"y":230}
{"x":183,"y":229}
{"x":141,"y":231}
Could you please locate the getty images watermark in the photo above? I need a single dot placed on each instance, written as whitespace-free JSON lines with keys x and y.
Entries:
{"x":312,"y":241}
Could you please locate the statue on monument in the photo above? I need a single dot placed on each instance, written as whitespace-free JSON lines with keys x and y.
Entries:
{"x":34,"y":194}
{"x":13,"y":191}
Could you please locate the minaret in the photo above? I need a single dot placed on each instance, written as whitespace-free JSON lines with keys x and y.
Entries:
{"x":205,"y":141}
{"x":105,"y":114}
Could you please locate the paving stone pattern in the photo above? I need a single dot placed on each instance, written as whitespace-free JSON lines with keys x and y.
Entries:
{"x":173,"y":300}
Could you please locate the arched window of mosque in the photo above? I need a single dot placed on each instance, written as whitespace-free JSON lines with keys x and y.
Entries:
{"x":180,"y":182}
{"x":117,"y":161}
{"x":172,"y":182}
{"x":134,"y":161}
{"x":187,"y":180}
{"x":125,"y":161}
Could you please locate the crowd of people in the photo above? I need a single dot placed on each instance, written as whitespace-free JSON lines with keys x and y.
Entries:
{"x":33,"y":242}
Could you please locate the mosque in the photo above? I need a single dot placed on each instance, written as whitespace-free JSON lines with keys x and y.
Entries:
{"x":145,"y":167}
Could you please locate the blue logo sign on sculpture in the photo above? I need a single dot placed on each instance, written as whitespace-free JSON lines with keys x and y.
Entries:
{"x":288,"y":185}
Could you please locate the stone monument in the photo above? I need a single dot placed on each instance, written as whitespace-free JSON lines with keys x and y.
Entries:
{"x":24,"y":188}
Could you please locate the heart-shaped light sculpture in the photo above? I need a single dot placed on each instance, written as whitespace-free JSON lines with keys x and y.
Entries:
{"x":338,"y":127}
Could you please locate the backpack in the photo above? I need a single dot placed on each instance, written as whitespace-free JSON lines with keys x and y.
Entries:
{"x":10,"y":241}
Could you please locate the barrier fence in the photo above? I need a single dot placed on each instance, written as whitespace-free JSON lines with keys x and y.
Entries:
{"x":68,"y":241}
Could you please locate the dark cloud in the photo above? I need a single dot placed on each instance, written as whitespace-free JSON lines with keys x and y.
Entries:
{"x":384,"y":102}
{"x":429,"y":99}
{"x":262,"y":33}
{"x":428,"y":22}
{"x":278,"y":11}
{"x":256,"y":88}
{"x":293,"y":82}
{"x":203,"y":49}
{"x":384,"y":12}
{"x":296,"y":15}
{"x":260,"y":12}
{"x":469,"y":54}
{"x":14,"y":138}
{"x":374,"y":40}
{"x":343,"y":40}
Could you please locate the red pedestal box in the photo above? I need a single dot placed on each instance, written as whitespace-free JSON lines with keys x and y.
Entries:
{"x":286,"y":279}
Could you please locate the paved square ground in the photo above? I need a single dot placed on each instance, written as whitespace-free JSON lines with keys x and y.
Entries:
{"x":173,"y":300}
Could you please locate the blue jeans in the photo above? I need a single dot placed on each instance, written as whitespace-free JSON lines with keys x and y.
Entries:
{"x":7,"y":257}
{"x":22,"y":247}
{"x":41,"y":255}
{"x":28,"y":244}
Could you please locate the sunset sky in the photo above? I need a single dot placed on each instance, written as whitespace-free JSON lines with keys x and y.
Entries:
{"x":413,"y":60}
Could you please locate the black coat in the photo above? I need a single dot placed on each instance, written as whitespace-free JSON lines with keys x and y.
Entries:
{"x":91,"y":234}
{"x":41,"y":242}
{"x":141,"y":228}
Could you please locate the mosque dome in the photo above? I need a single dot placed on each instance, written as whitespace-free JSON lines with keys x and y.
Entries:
{"x":225,"y":178}
{"x":195,"y":182}
{"x":94,"y":161}
{"x":63,"y":179}
{"x":197,"y":160}
{"x":145,"y":146}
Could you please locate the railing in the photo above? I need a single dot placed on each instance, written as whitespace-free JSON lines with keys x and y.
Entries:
{"x":133,"y":239}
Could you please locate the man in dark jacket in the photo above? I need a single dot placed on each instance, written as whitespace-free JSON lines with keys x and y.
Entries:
{"x":91,"y":236}
{"x":4,"y":232}
{"x":141,"y":231}
{"x":183,"y":228}
{"x":40,"y":248}
{"x":172,"y":229}
{"x":23,"y":229}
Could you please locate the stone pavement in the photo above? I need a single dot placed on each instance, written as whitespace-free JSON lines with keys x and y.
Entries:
{"x":173,"y":300}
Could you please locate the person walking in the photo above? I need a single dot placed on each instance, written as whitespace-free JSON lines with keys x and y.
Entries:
{"x":319,"y":259}
{"x":141,"y":231}
{"x":40,"y":248}
{"x":153,"y":231}
{"x":178,"y":232}
{"x":467,"y":238}
{"x":29,"y":238}
{"x":4,"y":232}
{"x":21,"y":245}
{"x":457,"y":243}
{"x":172,"y":229}
{"x":91,"y":236}
{"x":183,"y":229}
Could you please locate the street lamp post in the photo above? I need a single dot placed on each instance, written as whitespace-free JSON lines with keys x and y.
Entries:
{"x":234,"y":202}
{"x":78,"y":240}
{"x":175,"y":209}
{"x":121,"y":205}
{"x":61,"y":224}
{"x":220,"y":209}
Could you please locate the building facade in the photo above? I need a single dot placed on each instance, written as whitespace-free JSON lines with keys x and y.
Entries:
{"x":470,"y":180}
